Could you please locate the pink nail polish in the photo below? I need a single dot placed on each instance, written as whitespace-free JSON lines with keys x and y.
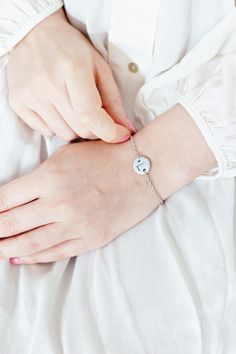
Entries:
{"x":125,"y":138}
{"x":132,"y":127}
{"x":15,"y":260}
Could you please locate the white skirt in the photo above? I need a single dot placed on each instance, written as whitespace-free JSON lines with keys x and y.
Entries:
{"x":166,"y":286}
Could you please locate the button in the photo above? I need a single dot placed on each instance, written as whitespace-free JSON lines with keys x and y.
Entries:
{"x":141,"y":165}
{"x":133,"y":67}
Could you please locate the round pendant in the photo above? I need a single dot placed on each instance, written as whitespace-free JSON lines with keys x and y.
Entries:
{"x":141,"y":165}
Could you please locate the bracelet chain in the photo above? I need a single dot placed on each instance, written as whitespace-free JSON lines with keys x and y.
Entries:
{"x":147,"y":175}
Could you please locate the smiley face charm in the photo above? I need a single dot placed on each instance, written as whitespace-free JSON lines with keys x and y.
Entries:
{"x":141,"y":165}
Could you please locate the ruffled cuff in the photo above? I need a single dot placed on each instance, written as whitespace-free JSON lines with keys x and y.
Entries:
{"x":211,"y":102}
{"x":204,"y":82}
{"x":18,"y":17}
{"x":220,"y":167}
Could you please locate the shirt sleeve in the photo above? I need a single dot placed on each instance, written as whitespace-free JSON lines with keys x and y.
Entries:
{"x":204,"y":82}
{"x":18,"y":17}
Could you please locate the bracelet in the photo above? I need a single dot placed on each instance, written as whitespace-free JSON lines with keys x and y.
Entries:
{"x":142,"y":166}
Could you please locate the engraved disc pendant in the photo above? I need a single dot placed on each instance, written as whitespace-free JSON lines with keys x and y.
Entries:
{"x":141,"y":165}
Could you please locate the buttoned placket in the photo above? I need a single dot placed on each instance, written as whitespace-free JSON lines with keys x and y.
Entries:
{"x":131,"y":40}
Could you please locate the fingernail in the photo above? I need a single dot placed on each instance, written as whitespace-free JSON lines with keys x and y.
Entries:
{"x":15,"y":260}
{"x":132,"y":127}
{"x":125,"y":138}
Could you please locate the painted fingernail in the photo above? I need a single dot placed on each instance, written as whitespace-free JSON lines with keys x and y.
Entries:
{"x":15,"y":260}
{"x":132,"y":127}
{"x":125,"y":138}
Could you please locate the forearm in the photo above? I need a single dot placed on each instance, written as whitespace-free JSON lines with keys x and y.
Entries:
{"x":177,"y":149}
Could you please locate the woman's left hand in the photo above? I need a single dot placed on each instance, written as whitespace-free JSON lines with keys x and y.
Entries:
{"x":78,"y":200}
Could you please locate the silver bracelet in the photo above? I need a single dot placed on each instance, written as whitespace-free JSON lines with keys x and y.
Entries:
{"x":142,"y":166}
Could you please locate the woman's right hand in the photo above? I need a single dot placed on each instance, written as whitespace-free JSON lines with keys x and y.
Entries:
{"x":59,"y":84}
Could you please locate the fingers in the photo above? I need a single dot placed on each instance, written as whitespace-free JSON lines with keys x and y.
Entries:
{"x":67,"y":249}
{"x":110,"y":95}
{"x":61,"y":101}
{"x":19,"y":191}
{"x":86,"y":103}
{"x":102,"y":125}
{"x":16,"y":221}
{"x":55,"y":121}
{"x":31,"y":242}
{"x":78,"y":110}
{"x":34,"y":121}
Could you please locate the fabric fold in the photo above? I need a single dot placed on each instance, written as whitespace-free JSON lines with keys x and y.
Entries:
{"x":204,"y":82}
{"x":18,"y":17}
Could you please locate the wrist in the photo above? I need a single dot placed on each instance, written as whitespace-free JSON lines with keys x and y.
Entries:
{"x":52,"y":22}
{"x":130,"y":185}
{"x":170,"y":142}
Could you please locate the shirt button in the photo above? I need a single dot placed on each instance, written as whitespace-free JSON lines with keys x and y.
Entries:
{"x":133,"y":68}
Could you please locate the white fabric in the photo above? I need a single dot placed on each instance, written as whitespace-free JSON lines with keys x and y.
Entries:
{"x":168,"y":284}
{"x":18,"y":17}
{"x":186,"y":54}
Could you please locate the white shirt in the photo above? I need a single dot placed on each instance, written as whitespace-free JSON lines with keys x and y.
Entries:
{"x":166,"y":285}
{"x":185,"y":51}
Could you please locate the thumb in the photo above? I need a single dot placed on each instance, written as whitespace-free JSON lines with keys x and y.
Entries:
{"x":104,"y":127}
{"x":110,"y":96}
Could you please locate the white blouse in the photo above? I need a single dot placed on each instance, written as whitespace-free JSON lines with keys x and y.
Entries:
{"x":161,"y":53}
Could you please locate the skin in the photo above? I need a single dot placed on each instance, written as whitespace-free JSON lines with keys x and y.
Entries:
{"x":62,"y":208}
{"x":59,"y":84}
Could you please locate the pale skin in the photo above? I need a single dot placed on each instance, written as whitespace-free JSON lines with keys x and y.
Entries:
{"x":59,"y":84}
{"x":62,"y":208}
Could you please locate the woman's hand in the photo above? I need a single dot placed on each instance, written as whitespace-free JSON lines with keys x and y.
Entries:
{"x":87,"y":194}
{"x":80,"y":199}
{"x":59,"y":84}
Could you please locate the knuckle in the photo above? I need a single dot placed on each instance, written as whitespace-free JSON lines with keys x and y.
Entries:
{"x":23,"y":94}
{"x":31,"y":245}
{"x":61,"y":255}
{"x":58,"y":253}
{"x":14,"y":102}
{"x":70,"y":136}
{"x":7,"y":225}
{"x":117,"y":101}
{"x":32,"y":259}
{"x":85,"y":134}
{"x":87,"y":115}
{"x":48,"y":133}
{"x":106,"y":234}
{"x":104,"y":238}
{"x":19,"y":97}
{"x":3,"y":202}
